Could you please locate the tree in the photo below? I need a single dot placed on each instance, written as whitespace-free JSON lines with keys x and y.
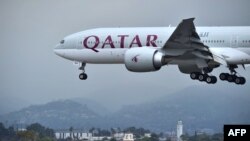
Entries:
{"x":105,"y":139}
{"x":203,"y":137}
{"x":112,"y":139}
{"x":138,"y":132}
{"x":154,"y":137}
{"x":3,"y":131}
{"x":71,"y":131}
{"x":7,"y":134}
{"x":169,"y":139}
{"x":41,"y":130}
{"x":185,"y":137}
{"x":145,"y":139}
{"x":27,"y":135}
{"x":113,"y":131}
{"x":217,"y":137}
{"x":161,"y":134}
{"x":46,"y":139}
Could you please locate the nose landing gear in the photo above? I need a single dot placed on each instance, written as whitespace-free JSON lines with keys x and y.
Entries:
{"x":83,"y":75}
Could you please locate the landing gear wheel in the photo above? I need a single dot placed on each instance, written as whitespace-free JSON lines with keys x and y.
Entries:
{"x":83,"y":76}
{"x":202,"y":77}
{"x":211,"y":79}
{"x":243,"y":80}
{"x":194,"y":75}
{"x":214,"y":79}
{"x":237,"y":80}
{"x":240,"y":80}
{"x":231,"y":78}
{"x":224,"y":76}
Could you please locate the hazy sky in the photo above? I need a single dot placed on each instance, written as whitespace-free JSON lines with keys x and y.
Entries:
{"x":32,"y":74}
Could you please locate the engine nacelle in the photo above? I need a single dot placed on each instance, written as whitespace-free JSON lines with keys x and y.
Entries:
{"x":143,"y":59}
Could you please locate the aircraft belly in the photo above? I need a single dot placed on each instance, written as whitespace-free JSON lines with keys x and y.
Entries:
{"x":233,"y":55}
{"x":103,"y":56}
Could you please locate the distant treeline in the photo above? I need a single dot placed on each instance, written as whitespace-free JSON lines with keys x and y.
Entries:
{"x":37,"y":132}
{"x":203,"y":137}
{"x":33,"y":132}
{"x":138,"y":132}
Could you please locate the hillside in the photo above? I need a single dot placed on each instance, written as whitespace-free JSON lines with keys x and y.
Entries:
{"x":58,"y":114}
{"x":200,"y":108}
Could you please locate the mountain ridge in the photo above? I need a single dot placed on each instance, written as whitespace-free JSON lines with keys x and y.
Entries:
{"x":199,"y":107}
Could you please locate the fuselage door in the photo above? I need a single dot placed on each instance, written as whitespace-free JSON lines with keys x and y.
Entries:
{"x":234,"y":41}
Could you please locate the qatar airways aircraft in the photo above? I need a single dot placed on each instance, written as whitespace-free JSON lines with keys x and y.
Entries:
{"x":196,"y":51}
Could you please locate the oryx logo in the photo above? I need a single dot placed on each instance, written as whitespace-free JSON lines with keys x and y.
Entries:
{"x":135,"y":59}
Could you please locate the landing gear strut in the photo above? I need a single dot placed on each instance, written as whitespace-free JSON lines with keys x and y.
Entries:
{"x":232,"y":77}
{"x":83,"y":75}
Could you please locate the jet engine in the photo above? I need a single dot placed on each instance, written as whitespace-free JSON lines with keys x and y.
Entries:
{"x":143,"y":59}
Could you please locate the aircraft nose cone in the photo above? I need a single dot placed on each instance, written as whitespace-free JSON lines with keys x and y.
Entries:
{"x":58,"y":51}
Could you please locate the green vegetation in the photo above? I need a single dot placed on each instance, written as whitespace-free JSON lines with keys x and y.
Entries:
{"x":138,"y":132}
{"x":37,"y":132}
{"x":203,"y":137}
{"x":7,"y":134}
{"x":34,"y":132}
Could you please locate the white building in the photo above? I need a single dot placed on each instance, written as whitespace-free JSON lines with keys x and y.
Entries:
{"x":118,"y":136}
{"x":148,"y":135}
{"x":179,"y":131}
{"x":128,"y":137}
{"x":73,"y":135}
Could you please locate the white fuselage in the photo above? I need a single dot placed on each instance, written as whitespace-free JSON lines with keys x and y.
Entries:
{"x":108,"y":45}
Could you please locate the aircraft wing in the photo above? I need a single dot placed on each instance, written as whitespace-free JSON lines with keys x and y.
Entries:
{"x":185,"y":36}
{"x":186,"y":43}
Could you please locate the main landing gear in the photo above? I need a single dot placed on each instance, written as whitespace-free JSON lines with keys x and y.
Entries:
{"x":232,"y":77}
{"x":210,"y":79}
{"x":83,"y":75}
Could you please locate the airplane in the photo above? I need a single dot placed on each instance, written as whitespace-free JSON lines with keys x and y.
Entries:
{"x":196,"y":50}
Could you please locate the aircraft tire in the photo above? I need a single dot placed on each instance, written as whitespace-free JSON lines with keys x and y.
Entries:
{"x":214,"y":79}
{"x":223,"y":76}
{"x":231,"y":78}
{"x":83,"y":76}
{"x":240,"y":80}
{"x":211,"y":79}
{"x":202,"y":77}
{"x":194,"y":75}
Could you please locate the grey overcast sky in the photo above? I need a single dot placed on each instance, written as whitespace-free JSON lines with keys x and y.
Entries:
{"x":32,"y":74}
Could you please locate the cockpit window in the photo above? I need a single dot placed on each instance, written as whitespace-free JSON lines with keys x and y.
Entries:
{"x":62,"y":41}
